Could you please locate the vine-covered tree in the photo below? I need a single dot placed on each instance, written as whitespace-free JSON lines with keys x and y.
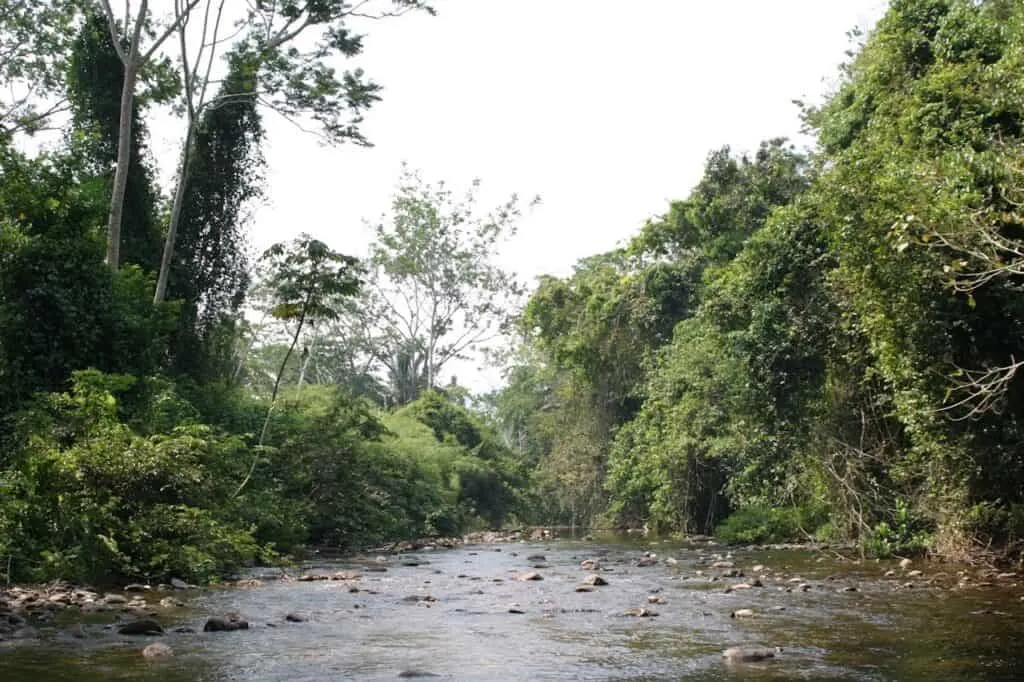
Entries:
{"x":211,"y":267}
{"x":94,"y":90}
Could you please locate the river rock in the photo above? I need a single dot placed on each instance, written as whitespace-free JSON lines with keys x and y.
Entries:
{"x":226,"y":623}
{"x":595,"y":580}
{"x":905,"y":563}
{"x":417,"y":673}
{"x":171,"y":603}
{"x":142,"y":626}
{"x":26,"y":632}
{"x":590,"y":565}
{"x":736,"y":587}
{"x":112,"y":599}
{"x":536,"y":557}
{"x":157,"y":650}
{"x":77,"y":631}
{"x":136,"y":587}
{"x":296,"y":618}
{"x":641,"y":612}
{"x":530,"y":575}
{"x":749,"y":654}
{"x":181,"y":584}
{"x":742,"y":613}
{"x":312,"y":577}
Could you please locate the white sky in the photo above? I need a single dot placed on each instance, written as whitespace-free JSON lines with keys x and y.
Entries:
{"x":605,"y":109}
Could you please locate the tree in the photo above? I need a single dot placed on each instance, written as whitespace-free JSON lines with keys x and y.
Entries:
{"x":35,"y":38}
{"x":920,"y":207}
{"x":61,"y":310}
{"x":296,"y":83}
{"x":94,"y":83}
{"x":434,"y":290}
{"x":127,"y":41}
{"x":307,"y":281}
{"x":210,"y":273}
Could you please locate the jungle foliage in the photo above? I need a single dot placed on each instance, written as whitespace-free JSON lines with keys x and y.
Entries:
{"x":817,"y":343}
{"x":144,"y":438}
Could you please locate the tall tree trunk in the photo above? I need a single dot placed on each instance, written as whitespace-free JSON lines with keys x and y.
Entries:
{"x":124,"y":143}
{"x":176,"y":208}
{"x":307,"y":356}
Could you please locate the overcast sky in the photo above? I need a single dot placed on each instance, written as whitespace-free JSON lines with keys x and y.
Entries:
{"x":607,"y":110}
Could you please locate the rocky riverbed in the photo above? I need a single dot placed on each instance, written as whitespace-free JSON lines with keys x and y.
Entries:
{"x":535,"y":609}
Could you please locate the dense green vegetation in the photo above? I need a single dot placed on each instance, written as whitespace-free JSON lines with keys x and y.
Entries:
{"x":151,"y":437}
{"x":817,"y":343}
{"x":821,"y":344}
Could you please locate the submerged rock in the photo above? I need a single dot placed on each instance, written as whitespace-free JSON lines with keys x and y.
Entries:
{"x":27,"y":632}
{"x":157,"y":650}
{"x":750,"y":654}
{"x":417,"y":673}
{"x":226,"y":623}
{"x":142,"y":626}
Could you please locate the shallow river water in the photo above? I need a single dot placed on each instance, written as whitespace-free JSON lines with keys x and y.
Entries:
{"x":884,"y":630}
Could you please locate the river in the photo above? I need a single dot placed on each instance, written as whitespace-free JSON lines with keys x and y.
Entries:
{"x":464,"y":614}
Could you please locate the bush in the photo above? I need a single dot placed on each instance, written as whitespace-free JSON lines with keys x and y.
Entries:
{"x":94,"y":500}
{"x":770,"y":524}
{"x":906,"y":533}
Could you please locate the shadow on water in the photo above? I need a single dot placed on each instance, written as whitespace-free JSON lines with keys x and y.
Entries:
{"x":452,"y":615}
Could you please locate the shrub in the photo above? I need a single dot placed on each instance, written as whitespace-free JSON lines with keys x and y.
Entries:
{"x":770,"y":524}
